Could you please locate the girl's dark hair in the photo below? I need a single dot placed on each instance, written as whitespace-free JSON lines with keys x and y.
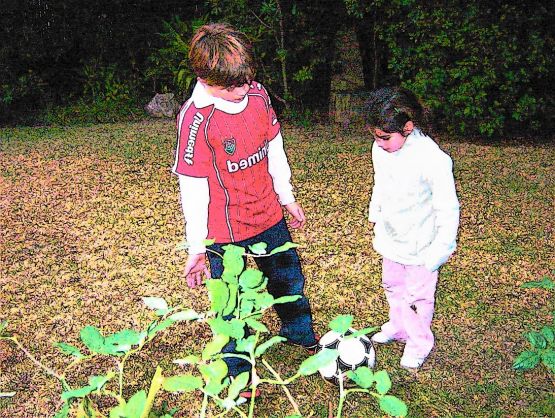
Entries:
{"x":389,"y":108}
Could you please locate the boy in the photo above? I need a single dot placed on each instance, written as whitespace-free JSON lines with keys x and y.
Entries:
{"x":234,"y":176}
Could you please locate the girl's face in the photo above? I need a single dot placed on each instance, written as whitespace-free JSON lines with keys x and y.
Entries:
{"x":391,"y":141}
{"x":388,"y":141}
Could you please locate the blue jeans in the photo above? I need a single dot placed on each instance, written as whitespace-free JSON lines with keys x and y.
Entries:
{"x":285,"y":278}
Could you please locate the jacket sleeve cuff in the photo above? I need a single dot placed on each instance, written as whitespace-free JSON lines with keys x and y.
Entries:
{"x":196,"y":248}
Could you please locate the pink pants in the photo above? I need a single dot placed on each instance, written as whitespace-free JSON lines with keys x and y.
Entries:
{"x":410,"y":293}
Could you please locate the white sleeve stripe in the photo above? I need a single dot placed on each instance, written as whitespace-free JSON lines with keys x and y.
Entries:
{"x":279,"y":169}
{"x":195,"y":197}
{"x":181,"y":117}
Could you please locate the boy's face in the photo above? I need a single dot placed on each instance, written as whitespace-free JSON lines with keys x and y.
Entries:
{"x":232,"y":94}
{"x":388,"y":141}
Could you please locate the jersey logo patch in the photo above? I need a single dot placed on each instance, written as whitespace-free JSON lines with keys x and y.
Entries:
{"x":229,"y":145}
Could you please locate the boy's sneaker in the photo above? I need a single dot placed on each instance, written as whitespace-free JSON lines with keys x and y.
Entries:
{"x":310,"y":349}
{"x":247,"y":394}
{"x":411,"y":362}
{"x":382,"y":338}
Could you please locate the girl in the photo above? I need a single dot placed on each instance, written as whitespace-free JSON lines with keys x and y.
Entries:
{"x":415,"y":212}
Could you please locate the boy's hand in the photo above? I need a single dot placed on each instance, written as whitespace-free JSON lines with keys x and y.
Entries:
{"x":194,"y":268}
{"x":296,"y":211}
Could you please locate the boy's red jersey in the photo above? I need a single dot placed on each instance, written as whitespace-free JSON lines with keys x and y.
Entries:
{"x":227,"y":143}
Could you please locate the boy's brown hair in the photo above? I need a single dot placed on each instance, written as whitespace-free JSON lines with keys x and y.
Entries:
{"x":221,"y":55}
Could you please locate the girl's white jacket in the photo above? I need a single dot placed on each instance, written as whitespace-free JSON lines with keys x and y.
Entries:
{"x":414,"y":203}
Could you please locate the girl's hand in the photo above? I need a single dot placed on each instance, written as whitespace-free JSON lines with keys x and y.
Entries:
{"x":296,"y":211}
{"x":194,"y":269}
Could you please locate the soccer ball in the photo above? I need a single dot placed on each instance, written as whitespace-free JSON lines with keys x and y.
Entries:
{"x":353,"y":353}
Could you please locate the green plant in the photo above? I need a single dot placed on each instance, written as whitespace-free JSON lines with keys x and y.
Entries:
{"x":477,"y":74}
{"x":542,"y":343}
{"x":237,"y":300}
{"x":169,"y":68}
{"x":120,"y":346}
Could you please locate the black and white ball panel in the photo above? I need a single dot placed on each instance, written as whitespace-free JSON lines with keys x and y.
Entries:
{"x":353,"y":353}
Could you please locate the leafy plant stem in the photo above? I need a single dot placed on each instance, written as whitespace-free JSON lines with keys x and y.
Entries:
{"x":76,"y":362}
{"x":342,"y":396}
{"x":284,"y":386}
{"x":120,"y":371}
{"x":241,"y":356}
{"x":155,"y":385}
{"x":204,"y":405}
{"x":47,"y":369}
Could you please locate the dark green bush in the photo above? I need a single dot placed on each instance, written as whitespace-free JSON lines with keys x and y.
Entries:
{"x":482,"y":67}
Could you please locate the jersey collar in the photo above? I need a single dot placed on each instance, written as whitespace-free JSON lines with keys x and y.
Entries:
{"x":201,"y":99}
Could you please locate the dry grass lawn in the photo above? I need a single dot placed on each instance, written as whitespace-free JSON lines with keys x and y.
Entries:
{"x":90,"y":219}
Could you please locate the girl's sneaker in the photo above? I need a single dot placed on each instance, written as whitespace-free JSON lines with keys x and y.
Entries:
{"x":411,"y":362}
{"x":382,"y":338}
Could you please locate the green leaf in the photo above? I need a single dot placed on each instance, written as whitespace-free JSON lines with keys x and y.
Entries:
{"x":250,"y":279}
{"x":287,"y":299}
{"x":341,"y":323}
{"x":263,"y":300}
{"x":545,"y":283}
{"x":214,"y":388}
{"x":246,"y":307}
{"x":363,"y":377}
{"x":383,"y":382}
{"x":234,"y":328}
{"x":256,"y":325}
{"x":537,"y":340}
{"x":92,"y":338}
{"x":182,"y":383}
{"x":527,"y":360}
{"x":188,"y":315}
{"x":215,"y":371}
{"x":218,"y":292}
{"x":136,"y":405}
{"x":156,"y":303}
{"x":261,"y":349}
{"x":548,"y":334}
{"x":63,"y":412}
{"x":78,"y":393}
{"x":363,"y":331}
{"x":393,"y":406}
{"x":232,"y":301}
{"x":159,"y":327}
{"x":259,"y":248}
{"x":246,"y":345}
{"x":70,"y":350}
{"x":99,"y":381}
{"x":548,"y":359}
{"x":237,"y":385}
{"x":233,"y":261}
{"x":126,"y":337}
{"x":320,"y":359}
{"x":215,"y":346}
{"x":283,"y":248}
